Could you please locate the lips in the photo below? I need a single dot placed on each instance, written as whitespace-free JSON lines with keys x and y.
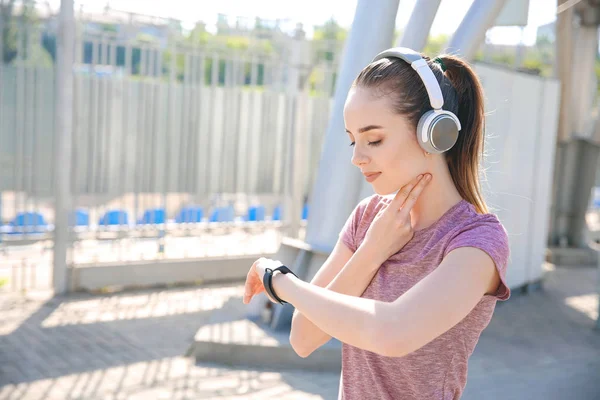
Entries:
{"x":371,"y":176}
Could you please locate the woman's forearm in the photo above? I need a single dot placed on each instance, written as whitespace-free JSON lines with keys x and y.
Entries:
{"x":356,"y":275}
{"x":306,"y":337}
{"x":350,"y":319}
{"x":352,"y":280}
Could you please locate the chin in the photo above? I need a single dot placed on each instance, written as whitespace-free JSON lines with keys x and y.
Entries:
{"x":383,"y":191}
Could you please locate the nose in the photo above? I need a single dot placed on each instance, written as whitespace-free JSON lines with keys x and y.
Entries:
{"x":358,"y":157}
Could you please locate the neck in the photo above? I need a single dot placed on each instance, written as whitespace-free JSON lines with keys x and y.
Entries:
{"x":437,"y":198}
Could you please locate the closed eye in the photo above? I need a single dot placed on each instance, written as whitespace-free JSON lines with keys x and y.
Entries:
{"x":376,"y":143}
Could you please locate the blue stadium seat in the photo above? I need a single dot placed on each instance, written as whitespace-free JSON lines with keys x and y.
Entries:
{"x":82,"y":217}
{"x":222,"y":214}
{"x":153,"y":216}
{"x":305,"y":212}
{"x":190,"y":214}
{"x":256,"y":213}
{"x":29,"y":222}
{"x":114,"y":217}
{"x":277,"y":214}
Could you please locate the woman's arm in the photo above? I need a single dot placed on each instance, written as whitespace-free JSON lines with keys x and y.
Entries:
{"x":344,"y":272}
{"x":390,"y":231}
{"x":428,"y":309}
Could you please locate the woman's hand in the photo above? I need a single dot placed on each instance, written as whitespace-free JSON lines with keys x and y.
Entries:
{"x":392,"y":228}
{"x":254,"y":280}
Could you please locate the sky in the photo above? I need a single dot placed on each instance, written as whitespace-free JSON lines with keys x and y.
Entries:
{"x":315,"y":12}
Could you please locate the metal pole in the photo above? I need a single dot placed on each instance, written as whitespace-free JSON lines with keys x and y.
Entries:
{"x":418,"y":27}
{"x":471,"y":31}
{"x":62,"y":151}
{"x":336,"y":190}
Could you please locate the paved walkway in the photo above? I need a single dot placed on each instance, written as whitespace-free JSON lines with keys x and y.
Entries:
{"x":131,"y":346}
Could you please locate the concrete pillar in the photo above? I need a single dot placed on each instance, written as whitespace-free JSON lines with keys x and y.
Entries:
{"x":338,"y":184}
{"x":579,"y":134}
{"x":63,"y":143}
{"x":562,"y":66}
{"x":419,"y":25}
{"x":584,"y":81}
{"x":297,"y":101}
{"x":471,"y":32}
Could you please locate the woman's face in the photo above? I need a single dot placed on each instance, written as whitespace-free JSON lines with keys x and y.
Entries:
{"x":384,"y":143}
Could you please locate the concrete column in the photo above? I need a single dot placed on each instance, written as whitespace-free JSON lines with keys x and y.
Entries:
{"x":297,"y":101}
{"x":63,"y":143}
{"x":584,"y":81}
{"x":471,"y":32}
{"x":577,"y":148}
{"x":562,"y":67}
{"x":419,"y":25}
{"x":338,"y":184}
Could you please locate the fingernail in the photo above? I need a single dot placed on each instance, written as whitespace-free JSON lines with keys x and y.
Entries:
{"x":428,"y":177}
{"x":420,"y":176}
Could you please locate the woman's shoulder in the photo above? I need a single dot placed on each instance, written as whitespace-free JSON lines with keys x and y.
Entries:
{"x":475,"y":228}
{"x":470,"y":219}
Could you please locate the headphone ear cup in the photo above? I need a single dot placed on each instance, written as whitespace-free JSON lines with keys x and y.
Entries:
{"x":437,"y":132}
{"x":423,"y":136}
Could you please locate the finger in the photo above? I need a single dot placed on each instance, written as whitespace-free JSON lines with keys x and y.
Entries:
{"x":403,"y":193}
{"x":414,"y":194}
{"x":381,"y":211}
{"x":247,"y":291}
{"x":248,"y":295}
{"x":383,"y":208}
{"x":248,"y":285}
{"x":255,"y":288}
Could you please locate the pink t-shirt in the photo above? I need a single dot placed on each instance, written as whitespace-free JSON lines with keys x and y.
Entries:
{"x":437,"y":370}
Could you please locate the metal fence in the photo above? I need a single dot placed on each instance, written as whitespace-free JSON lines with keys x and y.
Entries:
{"x":171,"y":139}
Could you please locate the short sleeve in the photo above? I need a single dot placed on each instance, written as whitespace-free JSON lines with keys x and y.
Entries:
{"x":489,"y":236}
{"x":348,"y":233}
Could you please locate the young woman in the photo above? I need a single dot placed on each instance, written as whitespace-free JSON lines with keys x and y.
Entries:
{"x":415,"y":276}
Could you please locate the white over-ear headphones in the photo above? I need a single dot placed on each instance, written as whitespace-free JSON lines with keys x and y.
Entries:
{"x":437,"y":130}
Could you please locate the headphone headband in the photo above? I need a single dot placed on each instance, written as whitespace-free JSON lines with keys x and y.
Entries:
{"x":419,"y":64}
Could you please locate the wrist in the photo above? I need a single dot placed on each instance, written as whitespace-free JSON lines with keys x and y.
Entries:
{"x":368,"y":259}
{"x":281,"y":284}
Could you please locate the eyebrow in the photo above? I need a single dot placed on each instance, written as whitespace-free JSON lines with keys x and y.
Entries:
{"x":367,"y":128}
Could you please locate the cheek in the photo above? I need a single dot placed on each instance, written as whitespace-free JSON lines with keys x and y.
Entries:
{"x":405,"y":162}
{"x":407,"y":155}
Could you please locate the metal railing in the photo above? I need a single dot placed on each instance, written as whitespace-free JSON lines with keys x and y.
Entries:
{"x":171,"y":140}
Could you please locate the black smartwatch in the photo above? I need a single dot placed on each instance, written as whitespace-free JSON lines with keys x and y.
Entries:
{"x":268,"y":281}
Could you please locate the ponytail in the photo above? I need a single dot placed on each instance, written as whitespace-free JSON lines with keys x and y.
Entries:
{"x":465,"y":157}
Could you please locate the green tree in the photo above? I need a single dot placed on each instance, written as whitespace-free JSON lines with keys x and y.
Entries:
{"x":329,"y":34}
{"x":330,"y":30}
{"x":8,"y":30}
{"x":10,"y":24}
{"x":199,"y":36}
{"x":435,"y":45}
{"x":24,"y":28}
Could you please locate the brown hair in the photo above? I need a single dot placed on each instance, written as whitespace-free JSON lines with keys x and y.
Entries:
{"x":463,"y":95}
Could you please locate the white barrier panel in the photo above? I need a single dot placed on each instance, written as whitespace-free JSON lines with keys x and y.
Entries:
{"x":522,"y":121}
